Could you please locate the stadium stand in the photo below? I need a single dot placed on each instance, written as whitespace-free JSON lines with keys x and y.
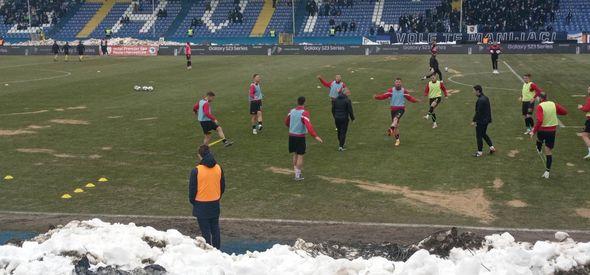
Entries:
{"x":573,"y":16}
{"x":75,"y":24}
{"x":68,"y":19}
{"x":342,"y":16}
{"x":282,"y":19}
{"x":45,"y":14}
{"x":215,"y":18}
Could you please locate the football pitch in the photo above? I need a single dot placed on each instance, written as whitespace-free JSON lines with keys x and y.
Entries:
{"x":63,"y":125}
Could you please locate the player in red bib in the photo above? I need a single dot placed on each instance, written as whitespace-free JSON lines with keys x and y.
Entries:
{"x":398,"y":95}
{"x":586,"y":133}
{"x":187,"y":52}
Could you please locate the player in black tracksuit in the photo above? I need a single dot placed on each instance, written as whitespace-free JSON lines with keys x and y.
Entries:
{"x":55,"y":50}
{"x":66,"y":50}
{"x":81,"y":49}
{"x":342,"y":110}
{"x":434,"y":68}
{"x":481,"y":120}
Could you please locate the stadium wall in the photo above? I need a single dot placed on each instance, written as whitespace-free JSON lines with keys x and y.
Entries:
{"x":328,"y":49}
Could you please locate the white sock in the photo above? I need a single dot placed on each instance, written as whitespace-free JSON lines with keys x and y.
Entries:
{"x":588,"y":150}
{"x":297,"y":173}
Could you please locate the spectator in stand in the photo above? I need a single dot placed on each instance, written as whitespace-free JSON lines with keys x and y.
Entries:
{"x":372,"y":31}
{"x":344,"y":26}
{"x":42,"y":11}
{"x":332,"y":22}
{"x":568,"y":18}
{"x":380,"y":30}
{"x":352,"y":25}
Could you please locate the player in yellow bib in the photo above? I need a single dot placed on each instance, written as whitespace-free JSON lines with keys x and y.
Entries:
{"x":546,"y":127}
{"x":434,"y":91}
{"x":530,"y":92}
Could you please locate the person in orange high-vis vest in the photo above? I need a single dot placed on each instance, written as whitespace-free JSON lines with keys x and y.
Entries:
{"x":206,"y":186}
{"x":546,"y":127}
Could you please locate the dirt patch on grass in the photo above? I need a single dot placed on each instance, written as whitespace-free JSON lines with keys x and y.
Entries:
{"x":26,"y":113}
{"x":4,"y":133}
{"x":583,"y":212}
{"x":59,"y":109}
{"x":64,"y":156}
{"x":77,"y":108}
{"x":38,"y":127}
{"x":113,"y":117}
{"x":70,"y":121}
{"x":148,"y":118}
{"x":472,"y":202}
{"x":391,"y":58}
{"x":55,"y":153}
{"x":570,"y":164}
{"x":580,"y":171}
{"x":281,"y":171}
{"x":35,"y":150}
{"x":107,"y":148}
{"x":498,"y":183}
{"x":516,"y":203}
{"x":453,"y":71}
{"x":513,"y":153}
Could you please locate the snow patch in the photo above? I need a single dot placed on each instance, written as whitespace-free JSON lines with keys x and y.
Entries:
{"x":128,"y":247}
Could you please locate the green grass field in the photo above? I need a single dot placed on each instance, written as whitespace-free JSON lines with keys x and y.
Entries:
{"x":145,"y":143}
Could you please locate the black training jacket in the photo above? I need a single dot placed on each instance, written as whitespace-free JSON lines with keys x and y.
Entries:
{"x":483,"y":110}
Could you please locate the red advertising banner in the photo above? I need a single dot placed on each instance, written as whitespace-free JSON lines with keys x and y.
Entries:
{"x":133,"y":50}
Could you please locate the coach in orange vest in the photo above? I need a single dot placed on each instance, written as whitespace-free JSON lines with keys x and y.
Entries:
{"x":206,"y":185}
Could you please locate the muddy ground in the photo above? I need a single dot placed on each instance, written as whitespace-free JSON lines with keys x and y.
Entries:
{"x":283,"y":232}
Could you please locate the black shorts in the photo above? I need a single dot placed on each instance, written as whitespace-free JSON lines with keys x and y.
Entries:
{"x":297,"y":145}
{"x":208,"y":126}
{"x":397,"y":113}
{"x":188,"y":57}
{"x":80,"y":53}
{"x":437,"y":99}
{"x":547,"y":137}
{"x":587,"y":128}
{"x":255,"y":106}
{"x":527,"y":108}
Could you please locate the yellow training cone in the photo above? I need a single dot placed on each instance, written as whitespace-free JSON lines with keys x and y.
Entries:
{"x":90,"y":185}
{"x":8,"y":177}
{"x":79,"y":190}
{"x":103,"y":180}
{"x":66,"y":196}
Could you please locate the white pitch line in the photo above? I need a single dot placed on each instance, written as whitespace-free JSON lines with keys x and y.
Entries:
{"x":513,"y":71}
{"x":65,"y":74}
{"x":321,"y":222}
{"x":561,"y":125}
{"x":471,"y":86}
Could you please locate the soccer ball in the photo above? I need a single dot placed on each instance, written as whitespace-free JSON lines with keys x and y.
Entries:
{"x":150,"y":88}
{"x":137,"y":88}
{"x":446,"y":69}
{"x":145,"y":88}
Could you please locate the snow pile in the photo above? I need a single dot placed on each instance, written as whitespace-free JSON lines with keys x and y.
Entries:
{"x":129,"y":247}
